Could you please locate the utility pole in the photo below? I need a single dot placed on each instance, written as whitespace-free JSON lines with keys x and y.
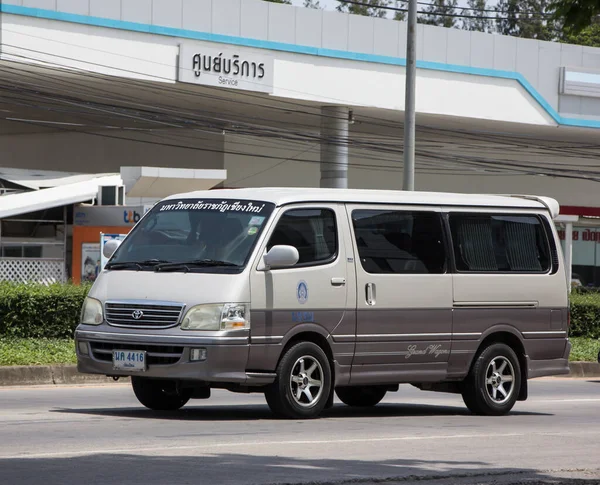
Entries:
{"x":409,"y":100}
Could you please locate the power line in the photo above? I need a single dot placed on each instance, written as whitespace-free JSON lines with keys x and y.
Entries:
{"x":254,"y":132}
{"x":441,"y":14}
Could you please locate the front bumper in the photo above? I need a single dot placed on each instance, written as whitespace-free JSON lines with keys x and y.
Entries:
{"x":168,"y":356}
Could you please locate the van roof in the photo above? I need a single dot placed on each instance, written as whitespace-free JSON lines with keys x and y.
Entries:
{"x":290,"y":195}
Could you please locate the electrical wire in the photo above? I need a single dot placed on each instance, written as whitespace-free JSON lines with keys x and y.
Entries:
{"x":373,"y":121}
{"x":311,"y":161}
{"x":441,"y":14}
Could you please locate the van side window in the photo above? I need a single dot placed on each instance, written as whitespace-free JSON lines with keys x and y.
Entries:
{"x":500,"y":243}
{"x":399,"y":241}
{"x":312,"y":232}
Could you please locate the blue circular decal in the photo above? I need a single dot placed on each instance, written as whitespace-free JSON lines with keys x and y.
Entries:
{"x":302,"y":292}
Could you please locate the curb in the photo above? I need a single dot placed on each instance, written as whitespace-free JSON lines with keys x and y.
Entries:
{"x":49,"y":375}
{"x":68,"y":374}
{"x":584,"y":369}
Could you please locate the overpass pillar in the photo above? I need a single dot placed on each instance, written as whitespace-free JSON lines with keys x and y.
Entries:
{"x":334,"y":147}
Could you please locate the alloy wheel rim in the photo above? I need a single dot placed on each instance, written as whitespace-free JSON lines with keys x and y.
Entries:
{"x":500,"y":380}
{"x":306,"y":381}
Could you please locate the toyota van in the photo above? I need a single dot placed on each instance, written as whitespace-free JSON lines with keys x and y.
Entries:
{"x":303,"y":294}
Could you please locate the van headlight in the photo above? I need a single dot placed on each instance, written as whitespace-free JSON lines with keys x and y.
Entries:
{"x":227,"y":316}
{"x":91,"y":312}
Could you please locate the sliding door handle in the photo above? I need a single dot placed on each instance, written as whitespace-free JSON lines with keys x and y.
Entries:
{"x":370,"y":293}
{"x":338,"y":281}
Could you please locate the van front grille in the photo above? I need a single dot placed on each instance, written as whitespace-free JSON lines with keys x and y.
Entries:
{"x":139,"y":315}
{"x":156,"y":354}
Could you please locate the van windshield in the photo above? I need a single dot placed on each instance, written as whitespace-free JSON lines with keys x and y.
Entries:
{"x":194,"y":235}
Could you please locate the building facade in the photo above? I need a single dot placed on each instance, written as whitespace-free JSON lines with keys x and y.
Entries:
{"x":263,"y":94}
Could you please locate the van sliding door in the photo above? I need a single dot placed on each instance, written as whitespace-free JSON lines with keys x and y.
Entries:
{"x":404,"y":294}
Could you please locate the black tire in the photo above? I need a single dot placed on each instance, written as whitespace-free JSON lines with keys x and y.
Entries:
{"x":159,"y":395}
{"x":361,"y":396}
{"x":281,"y":395}
{"x":478,"y":388}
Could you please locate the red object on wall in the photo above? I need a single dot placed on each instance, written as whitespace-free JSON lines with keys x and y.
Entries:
{"x":571,"y":210}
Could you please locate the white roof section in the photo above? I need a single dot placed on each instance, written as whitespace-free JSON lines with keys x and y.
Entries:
{"x":41,"y":179}
{"x":64,"y":194}
{"x":284,"y":196}
{"x":161,"y":182}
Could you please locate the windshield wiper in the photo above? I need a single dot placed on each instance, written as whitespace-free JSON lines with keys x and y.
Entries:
{"x":199,"y":263}
{"x":137,"y":264}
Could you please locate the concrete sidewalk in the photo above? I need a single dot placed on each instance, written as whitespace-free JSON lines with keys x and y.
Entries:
{"x":67,"y":374}
{"x":49,"y":374}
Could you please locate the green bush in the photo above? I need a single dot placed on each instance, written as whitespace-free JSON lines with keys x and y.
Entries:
{"x":585,"y":314}
{"x":39,"y":311}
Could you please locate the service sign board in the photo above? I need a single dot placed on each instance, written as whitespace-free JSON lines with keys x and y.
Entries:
{"x":108,"y":216}
{"x":225,"y":68}
{"x":104,"y":238}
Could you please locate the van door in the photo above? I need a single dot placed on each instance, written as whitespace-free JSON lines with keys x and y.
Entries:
{"x":313,"y":294}
{"x":505,"y":279}
{"x":404,"y":294}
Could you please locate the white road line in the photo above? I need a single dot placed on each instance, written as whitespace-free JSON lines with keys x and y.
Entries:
{"x":259,"y":443}
{"x":212,"y":446}
{"x":566,"y":400}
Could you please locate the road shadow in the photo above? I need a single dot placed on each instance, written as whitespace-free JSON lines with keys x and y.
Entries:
{"x":251,"y":412}
{"x":189,"y":467}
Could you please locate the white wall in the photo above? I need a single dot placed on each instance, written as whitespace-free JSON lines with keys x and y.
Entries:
{"x":296,"y":76}
{"x":333,"y":81}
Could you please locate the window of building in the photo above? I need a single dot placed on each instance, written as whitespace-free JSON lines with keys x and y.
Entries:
{"x":403,"y":242}
{"x":312,"y":232}
{"x":499,"y":243}
{"x":15,"y":251}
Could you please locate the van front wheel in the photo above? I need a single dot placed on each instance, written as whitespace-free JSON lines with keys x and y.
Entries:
{"x":303,"y":383}
{"x":492,"y":386}
{"x":159,"y":394}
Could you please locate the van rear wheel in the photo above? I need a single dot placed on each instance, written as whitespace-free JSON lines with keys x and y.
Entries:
{"x":361,"y":396}
{"x":303,"y":383}
{"x":492,"y":386}
{"x":159,"y":394}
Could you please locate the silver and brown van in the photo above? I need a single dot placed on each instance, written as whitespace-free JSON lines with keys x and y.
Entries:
{"x":301,"y":294}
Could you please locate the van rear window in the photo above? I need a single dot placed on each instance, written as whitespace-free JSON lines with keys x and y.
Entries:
{"x":500,"y":243}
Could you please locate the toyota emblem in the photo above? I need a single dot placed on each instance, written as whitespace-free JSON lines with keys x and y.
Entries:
{"x":137,"y":314}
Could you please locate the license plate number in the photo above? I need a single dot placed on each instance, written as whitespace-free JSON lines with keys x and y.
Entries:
{"x":129,"y":360}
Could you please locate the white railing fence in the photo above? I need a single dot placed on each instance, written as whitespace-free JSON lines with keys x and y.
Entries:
{"x":32,"y":270}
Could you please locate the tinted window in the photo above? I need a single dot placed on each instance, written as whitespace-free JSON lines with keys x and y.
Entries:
{"x":399,"y":241}
{"x":311,"y":231}
{"x":503,"y":243}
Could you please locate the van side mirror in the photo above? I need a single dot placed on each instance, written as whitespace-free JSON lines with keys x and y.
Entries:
{"x":281,"y":257}
{"x":110,"y":247}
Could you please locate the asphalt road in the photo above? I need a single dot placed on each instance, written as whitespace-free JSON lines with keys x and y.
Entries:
{"x":101,"y":435}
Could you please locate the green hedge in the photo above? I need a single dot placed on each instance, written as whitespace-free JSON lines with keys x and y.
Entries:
{"x":585,"y":314}
{"x":39,"y":311}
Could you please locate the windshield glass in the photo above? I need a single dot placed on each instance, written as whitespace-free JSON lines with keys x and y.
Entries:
{"x":215,"y":234}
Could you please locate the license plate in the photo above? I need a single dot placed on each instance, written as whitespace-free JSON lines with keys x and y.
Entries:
{"x":132,"y":360}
